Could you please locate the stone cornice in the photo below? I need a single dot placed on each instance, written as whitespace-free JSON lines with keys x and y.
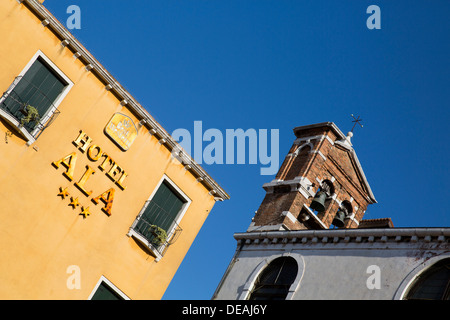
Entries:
{"x":412,"y":235}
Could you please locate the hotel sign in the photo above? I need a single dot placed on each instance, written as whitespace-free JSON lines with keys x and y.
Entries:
{"x":121,"y":130}
{"x":97,"y":159}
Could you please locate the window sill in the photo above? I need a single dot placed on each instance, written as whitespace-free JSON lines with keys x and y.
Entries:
{"x":152,"y":249}
{"x":16,"y":124}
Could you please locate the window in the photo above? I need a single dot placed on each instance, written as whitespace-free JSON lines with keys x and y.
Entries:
{"x":432,"y":284}
{"x":30,"y":103}
{"x":105,"y":290}
{"x":322,"y":199}
{"x":275,"y":280}
{"x":157,"y":224}
{"x":345,"y":210}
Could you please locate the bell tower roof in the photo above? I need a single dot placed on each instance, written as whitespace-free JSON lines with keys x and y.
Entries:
{"x":319,"y":185}
{"x":343,"y":141}
{"x":331,"y":125}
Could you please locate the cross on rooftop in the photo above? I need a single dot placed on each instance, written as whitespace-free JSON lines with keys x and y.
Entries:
{"x":356,"y":121}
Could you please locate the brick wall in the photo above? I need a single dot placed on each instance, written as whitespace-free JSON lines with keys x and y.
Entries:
{"x":314,"y":155}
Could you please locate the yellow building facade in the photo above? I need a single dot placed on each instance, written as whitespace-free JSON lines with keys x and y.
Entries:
{"x":94,"y":199}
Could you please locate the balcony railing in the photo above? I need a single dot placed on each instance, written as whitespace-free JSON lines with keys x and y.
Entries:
{"x":147,"y":225}
{"x":15,"y":101}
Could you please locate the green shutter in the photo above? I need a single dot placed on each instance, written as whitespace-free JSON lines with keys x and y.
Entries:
{"x":104,"y":292}
{"x":39,"y":87}
{"x":164,"y":207}
{"x":162,"y":211}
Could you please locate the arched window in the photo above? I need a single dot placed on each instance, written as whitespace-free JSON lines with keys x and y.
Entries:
{"x":328,"y":187}
{"x":322,"y":199}
{"x":432,"y":284}
{"x":345,"y":210}
{"x":275,"y":280}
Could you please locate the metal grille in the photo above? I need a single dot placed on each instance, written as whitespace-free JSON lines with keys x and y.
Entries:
{"x":153,"y":216}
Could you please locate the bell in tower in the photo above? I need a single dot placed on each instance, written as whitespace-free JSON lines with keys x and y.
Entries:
{"x":320,"y":184}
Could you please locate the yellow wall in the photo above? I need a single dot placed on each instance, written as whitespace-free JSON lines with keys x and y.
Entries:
{"x":41,"y":234}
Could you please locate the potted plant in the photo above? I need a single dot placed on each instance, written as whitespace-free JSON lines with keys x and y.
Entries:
{"x":160,"y":235}
{"x":31,"y":114}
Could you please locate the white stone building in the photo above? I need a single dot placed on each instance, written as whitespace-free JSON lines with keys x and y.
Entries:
{"x":293,"y":251}
{"x":389,"y":263}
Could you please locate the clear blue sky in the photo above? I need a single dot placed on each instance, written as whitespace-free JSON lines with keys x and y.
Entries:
{"x":277,"y":65}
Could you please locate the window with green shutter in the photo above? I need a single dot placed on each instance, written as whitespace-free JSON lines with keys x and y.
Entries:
{"x":104,"y":292}
{"x":164,"y":207}
{"x":30,"y":100}
{"x":160,"y":212}
{"x":157,"y":223}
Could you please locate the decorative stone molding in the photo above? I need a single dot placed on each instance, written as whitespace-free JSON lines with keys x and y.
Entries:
{"x":390,"y":235}
{"x":300,"y":184}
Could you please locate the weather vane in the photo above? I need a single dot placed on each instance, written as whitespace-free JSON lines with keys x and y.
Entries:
{"x":356,"y":121}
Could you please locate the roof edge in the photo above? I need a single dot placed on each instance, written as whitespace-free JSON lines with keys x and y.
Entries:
{"x":332,"y":125}
{"x":426,"y":234}
{"x":349,"y":148}
{"x":70,"y":41}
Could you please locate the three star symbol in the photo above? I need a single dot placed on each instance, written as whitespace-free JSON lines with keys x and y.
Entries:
{"x":74,"y":202}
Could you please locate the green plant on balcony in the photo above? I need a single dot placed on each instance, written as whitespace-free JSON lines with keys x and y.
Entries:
{"x":32,"y":114}
{"x":159,"y":234}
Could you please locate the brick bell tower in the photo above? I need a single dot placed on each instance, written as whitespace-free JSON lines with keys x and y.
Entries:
{"x":320,"y":184}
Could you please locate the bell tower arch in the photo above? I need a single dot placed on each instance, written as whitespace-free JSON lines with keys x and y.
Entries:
{"x":319,"y":185}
